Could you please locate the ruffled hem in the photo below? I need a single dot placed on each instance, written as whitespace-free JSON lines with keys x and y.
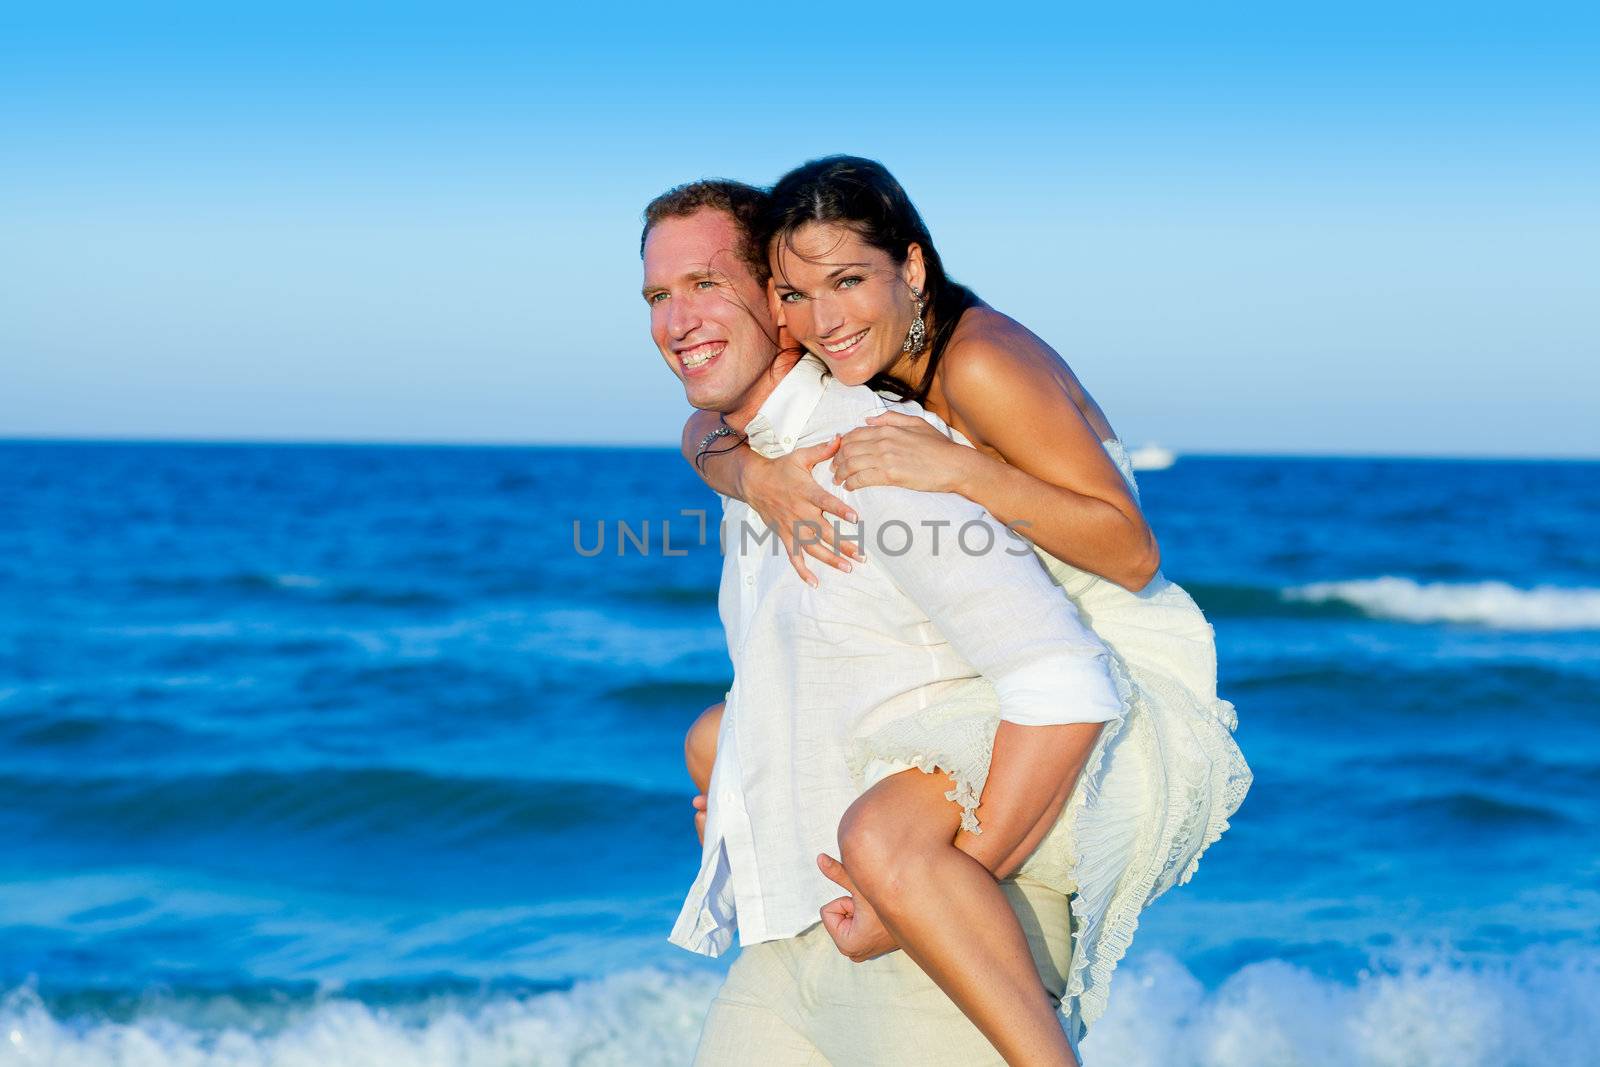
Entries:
{"x":1196,"y":781}
{"x":1097,"y":953}
{"x":954,"y":736}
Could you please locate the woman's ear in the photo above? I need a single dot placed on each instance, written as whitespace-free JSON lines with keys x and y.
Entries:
{"x":913,"y":270}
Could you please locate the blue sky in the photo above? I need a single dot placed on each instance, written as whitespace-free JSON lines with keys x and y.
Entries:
{"x":1370,"y":229}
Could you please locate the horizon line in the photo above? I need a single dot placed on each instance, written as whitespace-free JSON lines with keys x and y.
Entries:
{"x":312,"y":442}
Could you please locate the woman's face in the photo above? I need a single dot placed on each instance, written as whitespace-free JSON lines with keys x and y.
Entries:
{"x":844,"y":300}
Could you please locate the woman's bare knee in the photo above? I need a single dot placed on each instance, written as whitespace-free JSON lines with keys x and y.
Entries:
{"x":700,"y":746}
{"x":893,"y":831}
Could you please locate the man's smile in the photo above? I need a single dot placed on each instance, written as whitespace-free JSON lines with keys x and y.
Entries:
{"x":697,"y":356}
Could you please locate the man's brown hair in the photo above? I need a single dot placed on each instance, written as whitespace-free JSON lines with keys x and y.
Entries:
{"x":743,"y":202}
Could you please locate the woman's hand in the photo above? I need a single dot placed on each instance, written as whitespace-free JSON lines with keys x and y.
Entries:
{"x":789,"y":500}
{"x":899,"y":449}
{"x":855,"y":928}
{"x":699,"y":803}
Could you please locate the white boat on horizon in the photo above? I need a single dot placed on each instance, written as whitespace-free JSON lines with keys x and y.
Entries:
{"x":1152,"y":457}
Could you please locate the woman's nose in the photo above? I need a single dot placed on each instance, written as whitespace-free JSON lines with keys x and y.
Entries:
{"x":827,"y":315}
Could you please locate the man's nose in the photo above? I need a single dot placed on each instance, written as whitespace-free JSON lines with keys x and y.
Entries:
{"x":683,"y":317}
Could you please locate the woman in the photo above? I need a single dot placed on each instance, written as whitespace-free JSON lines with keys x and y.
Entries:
{"x":858,"y":283}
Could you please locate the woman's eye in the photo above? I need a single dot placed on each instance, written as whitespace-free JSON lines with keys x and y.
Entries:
{"x":790,"y":298}
{"x":849,"y":282}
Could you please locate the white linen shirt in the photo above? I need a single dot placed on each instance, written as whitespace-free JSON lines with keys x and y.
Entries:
{"x":815,"y":668}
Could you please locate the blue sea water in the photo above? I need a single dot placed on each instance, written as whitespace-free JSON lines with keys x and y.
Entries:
{"x":346,"y":754}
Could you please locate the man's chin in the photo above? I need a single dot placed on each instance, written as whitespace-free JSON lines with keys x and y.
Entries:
{"x":706,"y":400}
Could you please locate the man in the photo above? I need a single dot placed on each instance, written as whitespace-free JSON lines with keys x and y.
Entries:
{"x":817,"y":666}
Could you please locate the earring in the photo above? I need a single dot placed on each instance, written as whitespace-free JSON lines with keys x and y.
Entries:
{"x":917,"y":337}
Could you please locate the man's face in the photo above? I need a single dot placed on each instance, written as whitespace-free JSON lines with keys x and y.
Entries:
{"x":708,"y":314}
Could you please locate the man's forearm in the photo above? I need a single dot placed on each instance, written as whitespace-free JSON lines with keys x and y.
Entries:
{"x":723,"y":462}
{"x":1031,"y":774}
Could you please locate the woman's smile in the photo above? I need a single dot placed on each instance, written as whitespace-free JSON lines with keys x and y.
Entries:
{"x":846,"y":346}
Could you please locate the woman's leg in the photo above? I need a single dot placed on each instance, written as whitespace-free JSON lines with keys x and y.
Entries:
{"x":700,"y":746}
{"x":949,"y":914}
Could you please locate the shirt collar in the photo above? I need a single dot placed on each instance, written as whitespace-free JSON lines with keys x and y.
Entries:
{"x":781,"y":418}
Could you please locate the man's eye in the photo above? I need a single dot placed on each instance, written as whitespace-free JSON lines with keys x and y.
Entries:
{"x":655,"y":298}
{"x":704,"y":283}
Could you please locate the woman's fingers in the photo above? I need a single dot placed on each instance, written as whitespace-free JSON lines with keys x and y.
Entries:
{"x":828,"y":504}
{"x":821,"y":539}
{"x":868,"y":476}
{"x":859,"y":460}
{"x":901,"y":421}
{"x":797,"y":560}
{"x":821,"y":552}
{"x":811,"y":455}
{"x":828,"y":529}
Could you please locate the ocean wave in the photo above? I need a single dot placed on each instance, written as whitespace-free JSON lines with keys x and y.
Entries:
{"x":1539,"y":1008}
{"x":336,"y":802}
{"x":1424,"y":1007}
{"x":1482,"y":811}
{"x":678,"y":696}
{"x":307,"y":587}
{"x":640,"y":1017}
{"x":1495,"y":604}
{"x":1222,"y":600}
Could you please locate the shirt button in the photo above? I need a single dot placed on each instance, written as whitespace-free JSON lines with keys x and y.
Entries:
{"x":750,"y":579}
{"x":788,"y":440}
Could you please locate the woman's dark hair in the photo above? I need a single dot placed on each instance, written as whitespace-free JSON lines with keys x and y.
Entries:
{"x":862,"y":195}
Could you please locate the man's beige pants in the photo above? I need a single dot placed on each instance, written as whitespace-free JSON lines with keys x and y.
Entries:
{"x":798,"y":1003}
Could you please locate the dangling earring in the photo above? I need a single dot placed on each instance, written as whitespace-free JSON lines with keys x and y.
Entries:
{"x":918,"y":335}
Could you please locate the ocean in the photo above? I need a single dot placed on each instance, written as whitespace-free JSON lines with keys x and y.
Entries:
{"x":319,"y":755}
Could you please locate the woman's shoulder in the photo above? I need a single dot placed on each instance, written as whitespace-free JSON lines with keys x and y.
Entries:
{"x":993,"y":363}
{"x":990,"y":350}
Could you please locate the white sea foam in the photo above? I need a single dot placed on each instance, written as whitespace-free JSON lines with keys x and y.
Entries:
{"x":1536,"y":1009}
{"x":634,"y":1018}
{"x":1433,"y":1009}
{"x":1496,"y":604}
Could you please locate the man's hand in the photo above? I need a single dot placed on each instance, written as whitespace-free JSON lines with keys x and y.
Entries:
{"x":790,"y":501}
{"x":856,"y":930}
{"x":699,"y":803}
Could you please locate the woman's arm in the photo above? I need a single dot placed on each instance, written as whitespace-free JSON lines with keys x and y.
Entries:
{"x":723,"y":464}
{"x":782,"y":491}
{"x":1055,"y":482}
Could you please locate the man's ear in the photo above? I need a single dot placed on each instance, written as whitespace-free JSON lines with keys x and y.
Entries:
{"x":913,"y":270}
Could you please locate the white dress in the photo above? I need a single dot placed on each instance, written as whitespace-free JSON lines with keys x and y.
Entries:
{"x":1157,"y":790}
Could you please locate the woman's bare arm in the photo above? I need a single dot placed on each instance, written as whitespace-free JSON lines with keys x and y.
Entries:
{"x":1056,"y":476}
{"x":1054,"y":480}
{"x":782,"y":491}
{"x":724,"y":461}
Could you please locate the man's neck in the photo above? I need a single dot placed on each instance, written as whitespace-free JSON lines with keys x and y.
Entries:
{"x":762,"y":388}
